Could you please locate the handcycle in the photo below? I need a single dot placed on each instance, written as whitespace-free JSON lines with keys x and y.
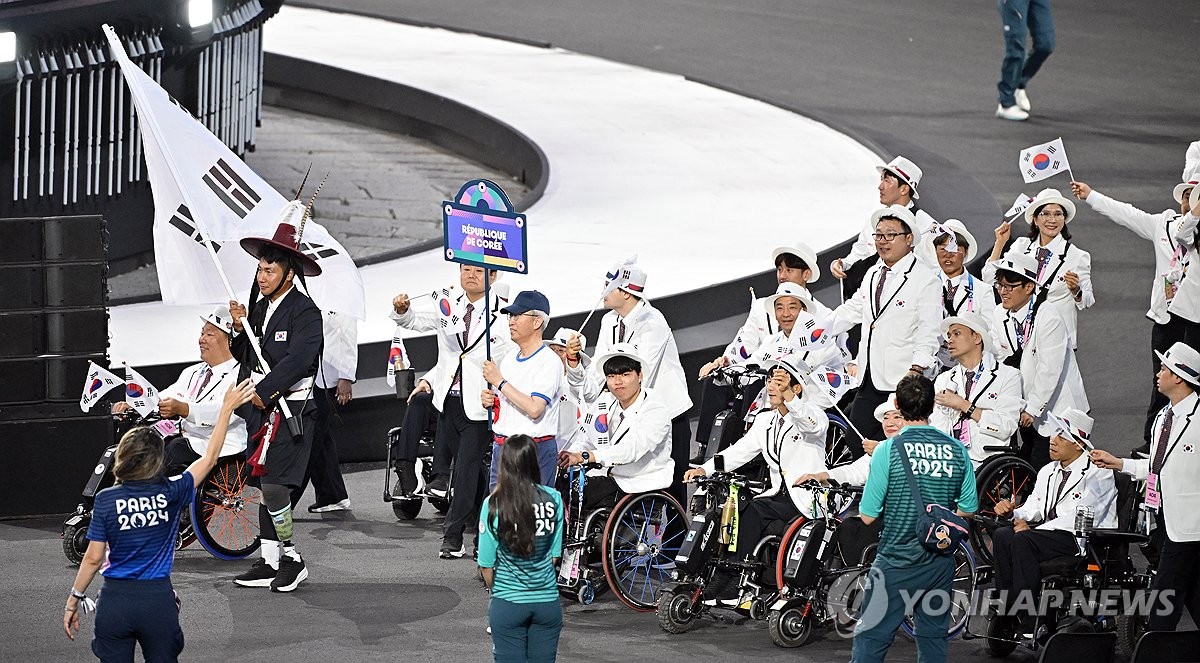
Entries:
{"x":1102,"y":571}
{"x":225,"y":507}
{"x":732,"y":423}
{"x":632,"y":545}
{"x":822,"y":583}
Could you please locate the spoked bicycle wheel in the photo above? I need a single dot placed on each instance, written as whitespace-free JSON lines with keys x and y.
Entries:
{"x":641,"y":538}
{"x":1001,"y":478}
{"x":225,"y":511}
{"x":837,"y":442}
{"x":961,"y":589}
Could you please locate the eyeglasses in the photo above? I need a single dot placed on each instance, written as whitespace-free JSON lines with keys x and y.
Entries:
{"x":1007,"y":287}
{"x":1057,"y":214}
{"x":888,"y":237}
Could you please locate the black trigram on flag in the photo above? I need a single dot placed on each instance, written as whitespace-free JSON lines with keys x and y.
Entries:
{"x":231,"y":189}
{"x":317,"y":251}
{"x":182,"y":221}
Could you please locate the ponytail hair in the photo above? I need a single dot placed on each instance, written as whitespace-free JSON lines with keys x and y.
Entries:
{"x":517,"y":486}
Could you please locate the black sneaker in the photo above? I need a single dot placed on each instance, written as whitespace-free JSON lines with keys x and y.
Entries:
{"x":452,"y":549}
{"x":439,"y":487}
{"x":406,"y":481}
{"x":291,"y":573}
{"x":1141,"y":452}
{"x":261,"y":574}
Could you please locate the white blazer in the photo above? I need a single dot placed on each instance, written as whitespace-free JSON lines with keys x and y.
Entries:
{"x":903,"y":332}
{"x":1178,"y":486}
{"x":792,"y":444}
{"x":1086,"y":485}
{"x":452,"y":349}
{"x":648,"y":331}
{"x":995,"y":392}
{"x":204,"y":406}
{"x":637,"y":451}
{"x":1187,"y":299}
{"x":1170,"y":255}
{"x":760,"y":325}
{"x":1050,"y":378}
{"x":1072,"y":259}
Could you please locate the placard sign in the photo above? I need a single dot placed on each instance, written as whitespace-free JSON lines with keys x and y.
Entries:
{"x":481,"y":228}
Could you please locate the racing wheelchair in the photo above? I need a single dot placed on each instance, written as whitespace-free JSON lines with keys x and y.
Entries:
{"x":223,"y":516}
{"x":1097,"y":590}
{"x":631,"y":545}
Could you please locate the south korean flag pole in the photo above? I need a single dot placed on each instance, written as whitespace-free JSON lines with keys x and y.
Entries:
{"x":809,"y":372}
{"x":141,"y":87}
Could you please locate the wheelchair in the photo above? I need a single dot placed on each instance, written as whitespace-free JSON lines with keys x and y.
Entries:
{"x":223,"y":516}
{"x":1103,"y":568}
{"x":822,"y":581}
{"x":632,"y":545}
{"x":408,"y":507}
{"x":1002,"y":476}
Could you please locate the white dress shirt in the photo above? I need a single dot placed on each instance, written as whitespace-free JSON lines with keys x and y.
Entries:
{"x":204,"y":405}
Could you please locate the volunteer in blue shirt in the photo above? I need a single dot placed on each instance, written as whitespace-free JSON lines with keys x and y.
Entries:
{"x":903,"y":567}
{"x":133,"y":531}
{"x":520,"y":540}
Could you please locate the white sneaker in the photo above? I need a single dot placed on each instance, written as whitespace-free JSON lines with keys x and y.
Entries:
{"x":343,"y":505}
{"x":1023,"y":100}
{"x":1013,"y":113}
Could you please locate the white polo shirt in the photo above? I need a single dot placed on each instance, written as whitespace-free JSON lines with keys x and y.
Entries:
{"x":540,"y":375}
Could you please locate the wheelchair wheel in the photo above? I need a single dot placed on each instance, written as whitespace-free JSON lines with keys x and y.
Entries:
{"x":837,"y":443}
{"x":407,"y":509}
{"x":225,"y":511}
{"x":1000,"y":477}
{"x":1001,"y":636}
{"x":442,"y":505}
{"x":962,"y":588}
{"x":75,"y":542}
{"x":641,"y":538}
{"x":792,"y":626}
{"x":676,"y":611}
{"x":1130,"y":629}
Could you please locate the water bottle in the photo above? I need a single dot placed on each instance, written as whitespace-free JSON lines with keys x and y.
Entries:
{"x":1084,"y":518}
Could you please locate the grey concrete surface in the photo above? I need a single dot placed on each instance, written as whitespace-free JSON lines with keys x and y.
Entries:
{"x":377,"y":591}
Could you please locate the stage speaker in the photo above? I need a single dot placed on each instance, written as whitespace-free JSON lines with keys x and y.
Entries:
{"x":76,"y":284}
{"x":21,"y":334}
{"x":25,"y":381}
{"x":73,"y":239}
{"x":76,"y":331}
{"x":21,"y":286}
{"x":65,"y":375}
{"x":22,"y":240}
{"x":47,"y":462}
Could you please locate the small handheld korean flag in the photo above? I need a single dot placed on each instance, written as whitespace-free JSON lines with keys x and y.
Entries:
{"x":1045,"y":160}
{"x":98,"y":382}
{"x":836,"y":383}
{"x":397,"y":358}
{"x":1019,"y":206}
{"x":809,"y":335}
{"x":139,"y":393}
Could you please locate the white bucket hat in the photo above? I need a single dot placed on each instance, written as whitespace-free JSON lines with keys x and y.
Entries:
{"x":804,"y":252}
{"x":630,"y":278}
{"x":897,"y":212}
{"x":1045,"y":197}
{"x":908,"y":172}
{"x":958,"y":228}
{"x":1018,"y":263}
{"x":621,"y":350}
{"x":1183,"y":361}
{"x":563,"y":336}
{"x":972,"y":321}
{"x":1074,"y":424}
{"x":885,"y":407}
{"x":220,"y":318}
{"x":789,"y":289}
{"x":1193,"y":180}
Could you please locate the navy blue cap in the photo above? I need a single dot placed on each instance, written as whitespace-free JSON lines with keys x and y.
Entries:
{"x":526,"y":301}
